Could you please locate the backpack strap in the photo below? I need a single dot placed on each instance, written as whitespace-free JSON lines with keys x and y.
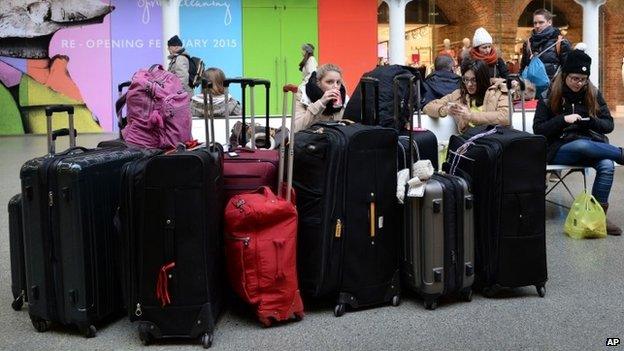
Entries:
{"x":558,"y":44}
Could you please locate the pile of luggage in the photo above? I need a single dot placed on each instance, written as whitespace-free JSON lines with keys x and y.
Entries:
{"x":159,"y":230}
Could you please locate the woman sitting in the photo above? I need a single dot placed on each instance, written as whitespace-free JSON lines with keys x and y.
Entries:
{"x":216,"y":76}
{"x":483,"y":49}
{"x":322,"y":98}
{"x":574,"y":118}
{"x":479,"y":100}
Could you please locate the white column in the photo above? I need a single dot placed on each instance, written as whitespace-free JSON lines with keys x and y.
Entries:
{"x":171,"y":23}
{"x":396,"y":44}
{"x":591,"y":33}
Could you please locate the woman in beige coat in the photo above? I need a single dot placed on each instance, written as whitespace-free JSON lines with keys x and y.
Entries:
{"x":479,"y":100}
{"x":322,"y":98}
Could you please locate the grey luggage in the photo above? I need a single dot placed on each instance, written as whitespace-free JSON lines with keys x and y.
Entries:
{"x":437,"y":256}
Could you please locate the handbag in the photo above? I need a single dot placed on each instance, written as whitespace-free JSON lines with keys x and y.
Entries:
{"x":586,"y":218}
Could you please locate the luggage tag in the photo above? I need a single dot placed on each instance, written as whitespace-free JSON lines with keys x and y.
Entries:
{"x":232,"y":154}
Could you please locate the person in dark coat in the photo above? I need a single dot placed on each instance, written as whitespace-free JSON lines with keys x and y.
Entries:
{"x":544,"y":38}
{"x":574,"y":118}
{"x":483,"y":49}
{"x":442,"y":81}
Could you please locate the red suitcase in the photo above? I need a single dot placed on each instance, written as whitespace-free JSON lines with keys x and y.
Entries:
{"x":247,"y":169}
{"x":261,"y":246}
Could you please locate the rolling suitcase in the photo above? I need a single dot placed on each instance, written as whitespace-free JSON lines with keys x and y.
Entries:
{"x":16,"y":248}
{"x":506,"y":169}
{"x":437,"y":256}
{"x":261,"y":244}
{"x":247,"y":169}
{"x":171,"y":222}
{"x":69,"y":200}
{"x":348,"y":237}
{"x":424,"y":139}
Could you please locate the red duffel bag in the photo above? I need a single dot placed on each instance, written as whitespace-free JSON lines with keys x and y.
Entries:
{"x":261,"y":247}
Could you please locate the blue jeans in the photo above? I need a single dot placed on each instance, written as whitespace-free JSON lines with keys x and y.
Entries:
{"x":589,"y":153}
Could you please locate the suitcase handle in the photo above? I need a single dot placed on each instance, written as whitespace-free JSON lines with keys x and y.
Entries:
{"x":244,"y":82}
{"x":372,"y":216}
{"x":123,"y":85}
{"x":410,"y":107}
{"x":510,"y":79}
{"x":71,"y":131}
{"x":209,"y":113}
{"x":267,"y":128}
{"x":288,"y":88}
{"x":365,"y":81}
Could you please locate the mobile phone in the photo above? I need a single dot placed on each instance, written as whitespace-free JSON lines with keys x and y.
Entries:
{"x":585,"y":119}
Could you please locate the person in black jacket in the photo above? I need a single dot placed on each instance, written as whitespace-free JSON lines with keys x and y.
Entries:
{"x":543,"y":41}
{"x":574,"y":118}
{"x":483,"y":49}
{"x":440,"y":82}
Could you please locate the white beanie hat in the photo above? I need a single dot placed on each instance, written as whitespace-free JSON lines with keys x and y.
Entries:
{"x":481,"y":37}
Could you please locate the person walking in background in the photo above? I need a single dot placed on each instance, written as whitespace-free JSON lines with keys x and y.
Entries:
{"x":483,"y":49}
{"x":322,"y":98}
{"x":574,"y":118}
{"x":308,"y":63}
{"x":464,"y":52}
{"x":479,"y":100}
{"x":440,"y":82}
{"x":547,"y":42}
{"x":179,"y":63}
{"x":233,"y":106}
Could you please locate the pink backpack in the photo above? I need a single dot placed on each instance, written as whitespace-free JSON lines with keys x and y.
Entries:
{"x":158,"y":110}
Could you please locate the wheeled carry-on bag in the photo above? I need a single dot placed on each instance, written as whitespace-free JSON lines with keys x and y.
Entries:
{"x":506,"y":169}
{"x":171,"y":222}
{"x":348,"y":237}
{"x":16,"y":248}
{"x":247,"y":169}
{"x":437,"y":251}
{"x":69,"y":200}
{"x":261,"y":244}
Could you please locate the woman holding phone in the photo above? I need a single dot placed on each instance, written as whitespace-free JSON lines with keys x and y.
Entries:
{"x":574,"y":118}
{"x":321,"y":98}
{"x":479,"y":100}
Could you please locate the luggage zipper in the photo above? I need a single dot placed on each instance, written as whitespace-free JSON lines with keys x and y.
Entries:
{"x":245,"y":239}
{"x":138,"y":312}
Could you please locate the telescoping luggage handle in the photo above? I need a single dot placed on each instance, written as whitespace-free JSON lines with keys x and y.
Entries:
{"x":364,"y":82}
{"x":410,"y":78}
{"x":52,"y":135}
{"x":510,"y":79}
{"x":119,"y":104}
{"x":208,"y":112}
{"x":251,"y":82}
{"x":288,"y":88}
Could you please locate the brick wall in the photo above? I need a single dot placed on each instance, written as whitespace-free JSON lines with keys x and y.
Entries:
{"x":612,"y":54}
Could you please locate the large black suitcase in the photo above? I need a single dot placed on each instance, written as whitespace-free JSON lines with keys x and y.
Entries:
{"x":349,"y":230}
{"x":16,"y":246}
{"x":506,"y":170}
{"x":171,"y":218}
{"x":69,"y":200}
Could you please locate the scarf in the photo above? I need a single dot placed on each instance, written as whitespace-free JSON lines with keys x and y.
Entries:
{"x":314,"y":92}
{"x":490,"y":58}
{"x":571,"y":97}
{"x":538,"y":39}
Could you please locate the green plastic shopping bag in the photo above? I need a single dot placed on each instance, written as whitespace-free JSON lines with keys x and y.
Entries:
{"x":586,"y":218}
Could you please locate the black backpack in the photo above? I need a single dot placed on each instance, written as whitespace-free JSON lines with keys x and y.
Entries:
{"x":385,"y":75}
{"x":196,"y":70}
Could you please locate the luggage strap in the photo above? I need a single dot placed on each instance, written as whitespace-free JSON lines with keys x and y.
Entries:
{"x":459,"y":153}
{"x":162,"y":284}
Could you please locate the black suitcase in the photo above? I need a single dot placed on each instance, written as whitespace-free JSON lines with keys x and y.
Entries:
{"x":349,"y":230}
{"x":424,"y":142}
{"x":69,"y":200}
{"x":506,"y":169}
{"x":171,"y":218}
{"x":16,"y":247}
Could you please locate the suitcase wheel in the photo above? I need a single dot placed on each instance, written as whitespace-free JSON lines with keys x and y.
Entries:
{"x":541,"y":290}
{"x":88,"y":331}
{"x":431,"y":304}
{"x":340,"y":309}
{"x":41,"y":325}
{"x":144,"y":335}
{"x":396,"y":300}
{"x":206,"y":340}
{"x":18,"y":303}
{"x":466,"y":295}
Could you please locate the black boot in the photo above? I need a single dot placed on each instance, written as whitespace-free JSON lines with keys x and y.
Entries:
{"x":612,"y":228}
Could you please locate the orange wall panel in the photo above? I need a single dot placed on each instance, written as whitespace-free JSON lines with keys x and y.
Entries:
{"x":348,"y":37}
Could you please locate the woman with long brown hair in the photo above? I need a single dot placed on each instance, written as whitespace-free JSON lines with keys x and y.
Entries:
{"x":308,"y":63}
{"x":574,"y":118}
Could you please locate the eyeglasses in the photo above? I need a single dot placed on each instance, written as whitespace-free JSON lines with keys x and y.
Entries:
{"x":469,"y":80}
{"x":578,"y":80}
